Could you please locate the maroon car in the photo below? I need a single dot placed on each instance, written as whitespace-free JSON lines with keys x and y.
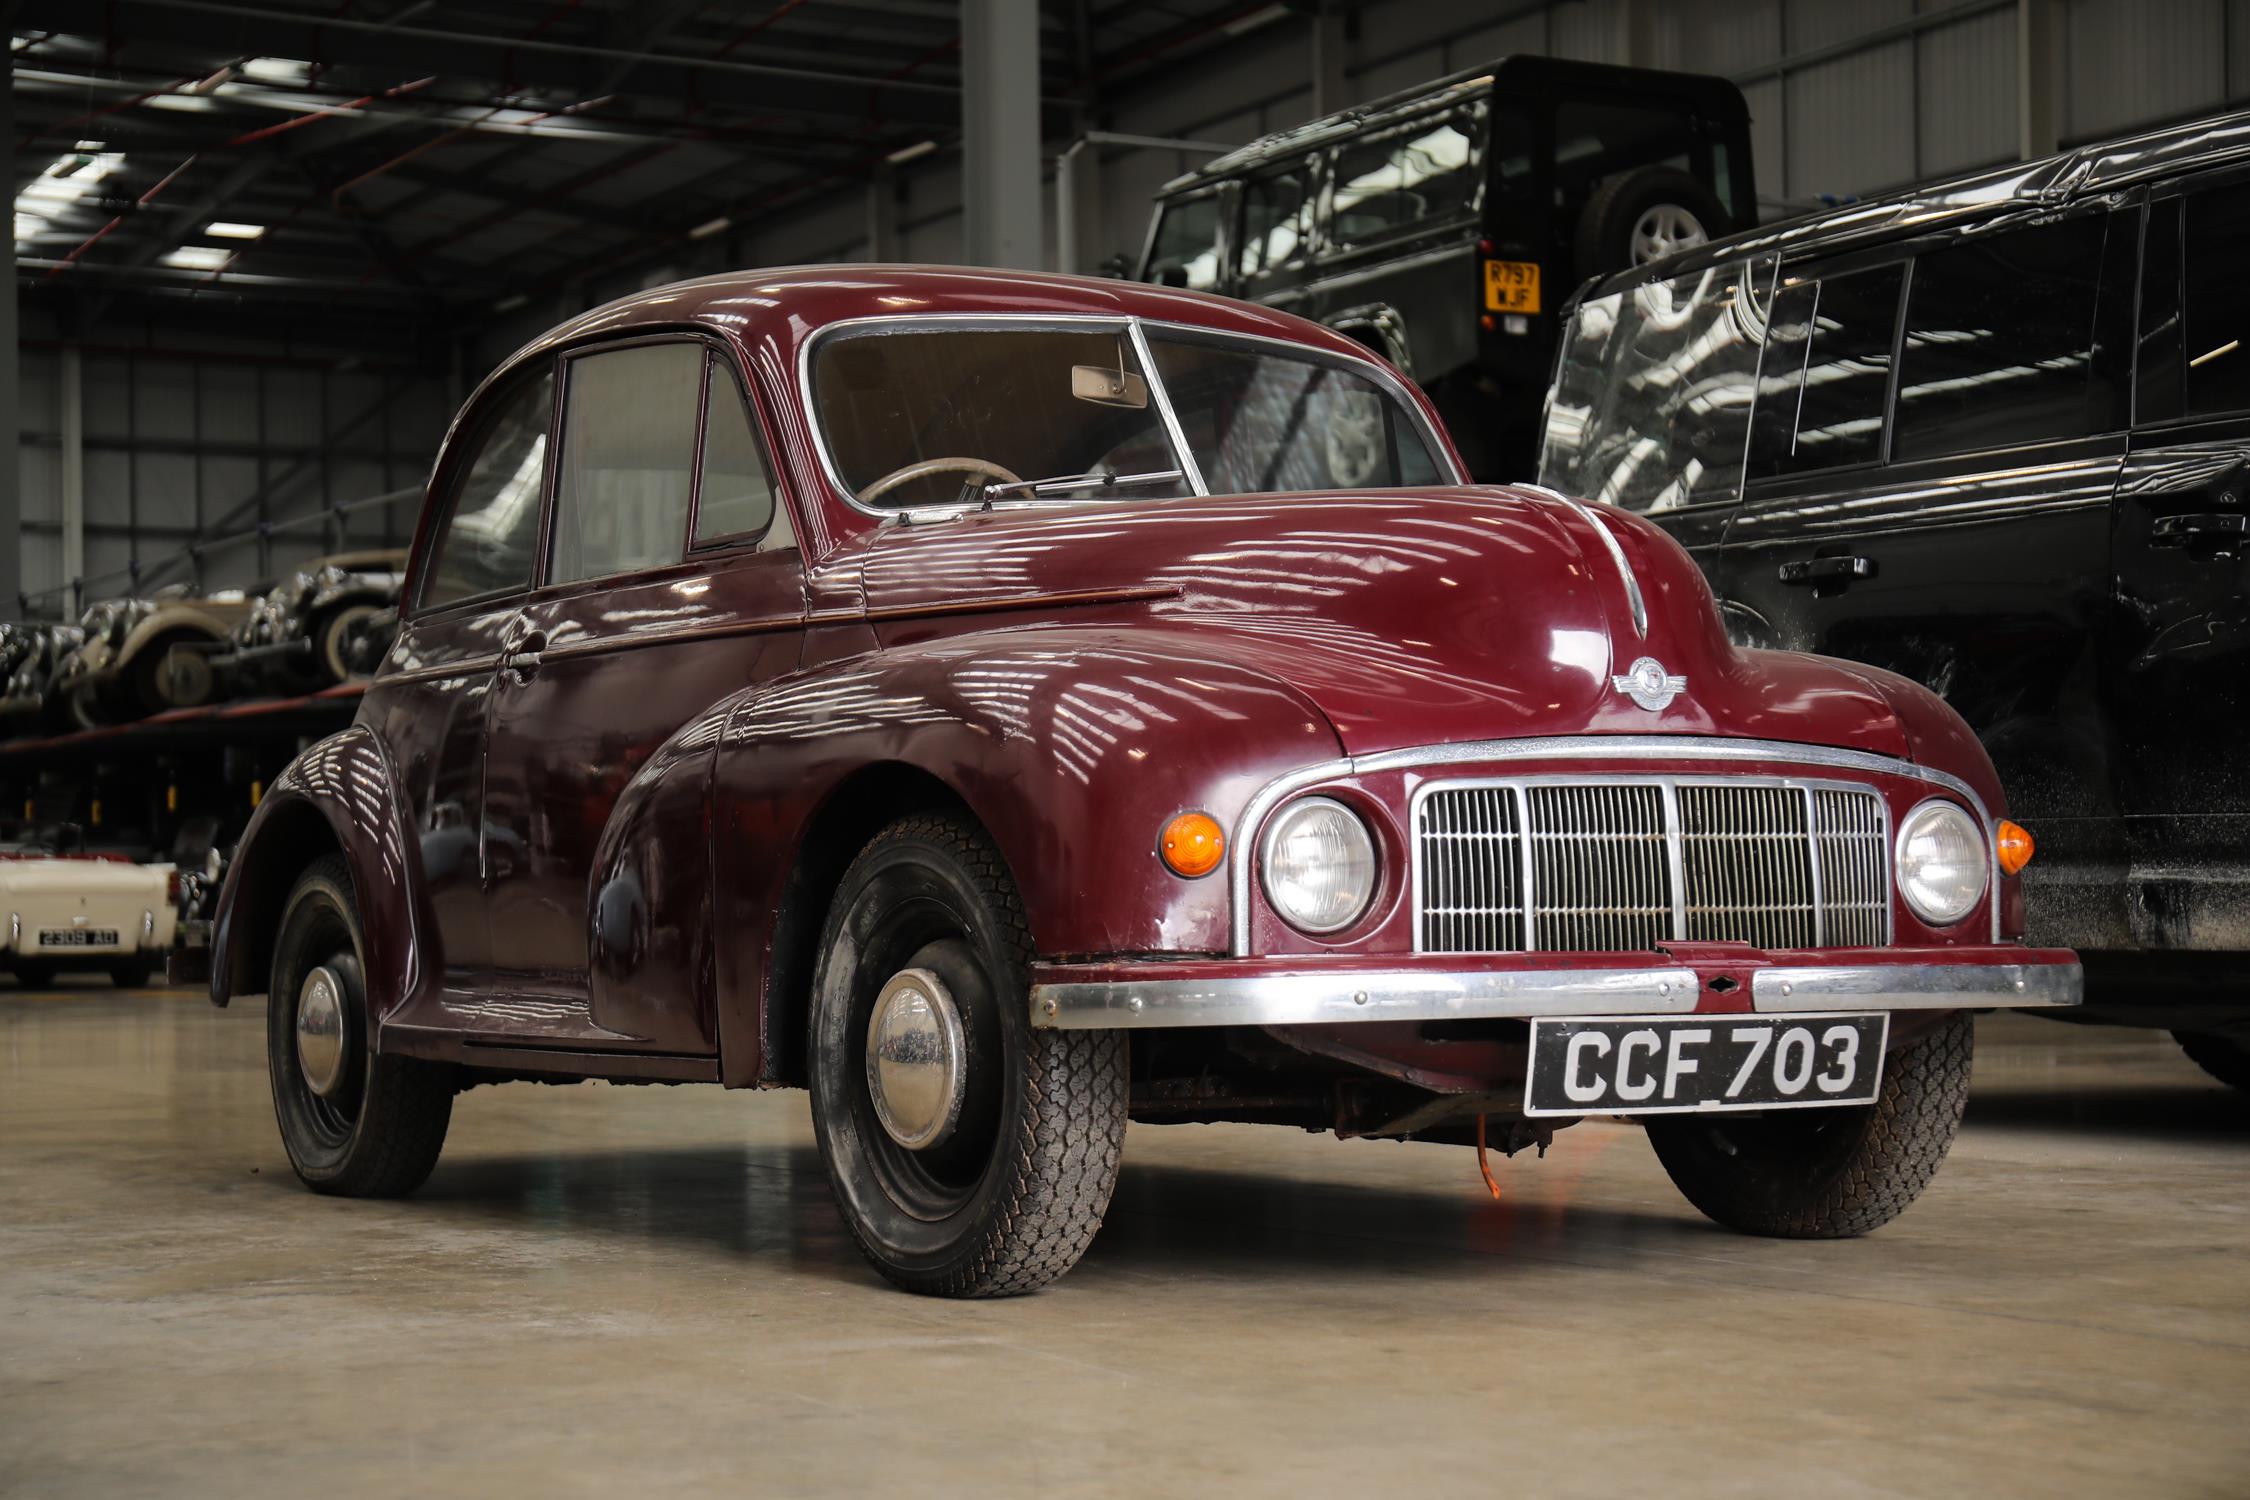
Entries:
{"x":1008,"y":705}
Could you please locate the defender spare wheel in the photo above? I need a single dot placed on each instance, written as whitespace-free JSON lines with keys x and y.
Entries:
{"x":1643,"y":215}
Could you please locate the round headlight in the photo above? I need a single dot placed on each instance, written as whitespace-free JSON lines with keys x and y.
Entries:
{"x":1319,"y":865}
{"x":1943,"y":864}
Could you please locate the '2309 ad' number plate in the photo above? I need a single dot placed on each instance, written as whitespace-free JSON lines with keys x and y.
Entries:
{"x":1672,"y":1064}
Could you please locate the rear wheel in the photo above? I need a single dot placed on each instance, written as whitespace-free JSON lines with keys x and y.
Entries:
{"x":2222,"y":1057}
{"x":971,"y":1155}
{"x":1824,"y":1174}
{"x":354,"y":1123}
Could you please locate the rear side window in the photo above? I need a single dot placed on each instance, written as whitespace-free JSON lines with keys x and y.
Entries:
{"x":2000,"y":343}
{"x":628,"y":460}
{"x":1827,"y":373}
{"x":1424,"y":171}
{"x":2216,"y":301}
{"x":1276,"y":219}
{"x":491,"y":527}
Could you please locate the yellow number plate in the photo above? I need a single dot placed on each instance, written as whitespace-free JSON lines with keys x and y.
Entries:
{"x":1511,"y":286}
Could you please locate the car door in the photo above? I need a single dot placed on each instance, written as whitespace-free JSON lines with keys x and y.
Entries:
{"x":672,"y":579}
{"x":2175,"y":681}
{"x":1932,"y":458}
{"x":437,"y":689}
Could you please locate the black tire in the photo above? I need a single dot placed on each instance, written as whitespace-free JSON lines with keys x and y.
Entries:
{"x":1827,"y":1174}
{"x":1011,"y":1199}
{"x":33,"y":974}
{"x":1607,"y":226}
{"x":2222,"y":1057}
{"x":131,"y":973}
{"x":151,"y":692}
{"x":379,"y":1137}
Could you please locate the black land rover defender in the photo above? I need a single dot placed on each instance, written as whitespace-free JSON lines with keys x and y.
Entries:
{"x":1445,"y":226}
{"x":1992,"y":434}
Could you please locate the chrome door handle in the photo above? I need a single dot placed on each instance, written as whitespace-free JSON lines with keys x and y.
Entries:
{"x":1840,"y":572}
{"x":522,"y":659}
{"x":2178,"y":531}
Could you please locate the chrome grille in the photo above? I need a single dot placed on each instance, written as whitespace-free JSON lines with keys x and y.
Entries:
{"x":1629,"y":863}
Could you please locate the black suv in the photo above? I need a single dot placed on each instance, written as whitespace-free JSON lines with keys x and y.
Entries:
{"x":1993,"y":435}
{"x":1444,"y":226}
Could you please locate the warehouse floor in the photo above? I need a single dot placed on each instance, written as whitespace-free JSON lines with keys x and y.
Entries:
{"x":624,"y":1291}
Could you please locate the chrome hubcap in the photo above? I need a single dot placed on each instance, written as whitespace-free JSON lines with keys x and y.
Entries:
{"x":916,"y":1056}
{"x":1663,"y":229}
{"x":320,"y":1031}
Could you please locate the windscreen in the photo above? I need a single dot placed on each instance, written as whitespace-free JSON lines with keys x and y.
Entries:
{"x":1651,"y":403}
{"x":935,"y":415}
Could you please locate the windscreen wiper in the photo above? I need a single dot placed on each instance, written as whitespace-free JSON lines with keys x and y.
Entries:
{"x":1066,"y":484}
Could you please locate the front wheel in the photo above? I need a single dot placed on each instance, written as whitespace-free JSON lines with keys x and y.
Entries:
{"x":971,"y":1155}
{"x":2222,"y":1057}
{"x":1827,"y":1174}
{"x":355,"y":1123}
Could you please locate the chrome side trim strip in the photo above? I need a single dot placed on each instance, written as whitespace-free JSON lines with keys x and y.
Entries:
{"x":1917,"y":987}
{"x":1678,"y":748}
{"x":1315,"y":999}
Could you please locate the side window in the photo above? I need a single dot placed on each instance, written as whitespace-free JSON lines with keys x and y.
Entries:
{"x":1186,"y":248}
{"x":2000,"y":342}
{"x":735,"y":489}
{"x":491,"y":526}
{"x":2160,"y":364}
{"x":1276,"y":219}
{"x":1826,"y":374}
{"x":1425,"y":171}
{"x":628,"y":451}
{"x":2215,"y":314}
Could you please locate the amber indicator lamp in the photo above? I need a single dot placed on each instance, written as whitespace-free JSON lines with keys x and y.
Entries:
{"x":1193,"y":844}
{"x":2014,"y":846}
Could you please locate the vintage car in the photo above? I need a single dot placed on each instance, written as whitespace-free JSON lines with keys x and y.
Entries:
{"x":30,"y":655}
{"x":310,"y":629}
{"x":68,"y":912}
{"x":969,"y":697}
{"x":123,"y":669}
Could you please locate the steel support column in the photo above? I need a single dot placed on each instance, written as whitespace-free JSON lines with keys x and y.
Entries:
{"x":1000,"y":130}
{"x":11,"y":501}
{"x":882,"y":216}
{"x":71,"y":394}
{"x":1331,"y":87}
{"x":2038,"y":65}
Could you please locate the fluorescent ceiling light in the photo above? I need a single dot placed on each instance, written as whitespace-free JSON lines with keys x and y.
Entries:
{"x":226,"y":230}
{"x":510,"y":304}
{"x":905,"y":154}
{"x":28,"y":226}
{"x":1257,"y":18}
{"x":277,"y":70}
{"x":705,"y":231}
{"x":67,"y":179}
{"x":198,"y":257}
{"x":188,"y":102}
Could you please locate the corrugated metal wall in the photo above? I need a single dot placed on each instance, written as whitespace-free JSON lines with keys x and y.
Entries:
{"x":1850,"y":97}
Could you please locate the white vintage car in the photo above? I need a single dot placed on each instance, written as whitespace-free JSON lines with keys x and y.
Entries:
{"x":85,"y":912}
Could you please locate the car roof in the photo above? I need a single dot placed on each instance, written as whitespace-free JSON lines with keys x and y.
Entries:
{"x":1525,"y":73}
{"x":785,"y":306}
{"x":2066,"y":177}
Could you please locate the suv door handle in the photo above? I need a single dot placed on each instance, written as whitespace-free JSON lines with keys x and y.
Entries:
{"x":2178,"y":531}
{"x":1838,"y":571}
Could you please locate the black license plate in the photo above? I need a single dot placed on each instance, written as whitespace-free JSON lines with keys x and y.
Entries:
{"x":78,"y":937}
{"x":1649,"y":1065}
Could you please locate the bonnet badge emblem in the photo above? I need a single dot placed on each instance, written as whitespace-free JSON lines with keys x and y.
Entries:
{"x":1649,"y":685}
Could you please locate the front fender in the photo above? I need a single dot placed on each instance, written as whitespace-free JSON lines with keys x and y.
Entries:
{"x":338,"y":796}
{"x":1072,"y":746}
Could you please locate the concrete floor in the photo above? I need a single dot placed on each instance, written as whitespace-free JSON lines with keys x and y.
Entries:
{"x":629,"y":1291}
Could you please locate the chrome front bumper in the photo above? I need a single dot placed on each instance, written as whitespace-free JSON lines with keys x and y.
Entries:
{"x":1091,"y":997}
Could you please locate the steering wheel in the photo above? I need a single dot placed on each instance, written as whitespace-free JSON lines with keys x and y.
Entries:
{"x":929,"y":466}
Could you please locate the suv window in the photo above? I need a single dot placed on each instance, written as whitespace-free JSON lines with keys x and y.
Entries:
{"x":1827,"y":373}
{"x":1426,"y":170}
{"x":628,"y":452}
{"x":2000,"y":342}
{"x":1276,"y":218}
{"x":491,"y":526}
{"x":1652,"y":396}
{"x":1186,"y":249}
{"x":2216,"y":298}
{"x":734,"y":492}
